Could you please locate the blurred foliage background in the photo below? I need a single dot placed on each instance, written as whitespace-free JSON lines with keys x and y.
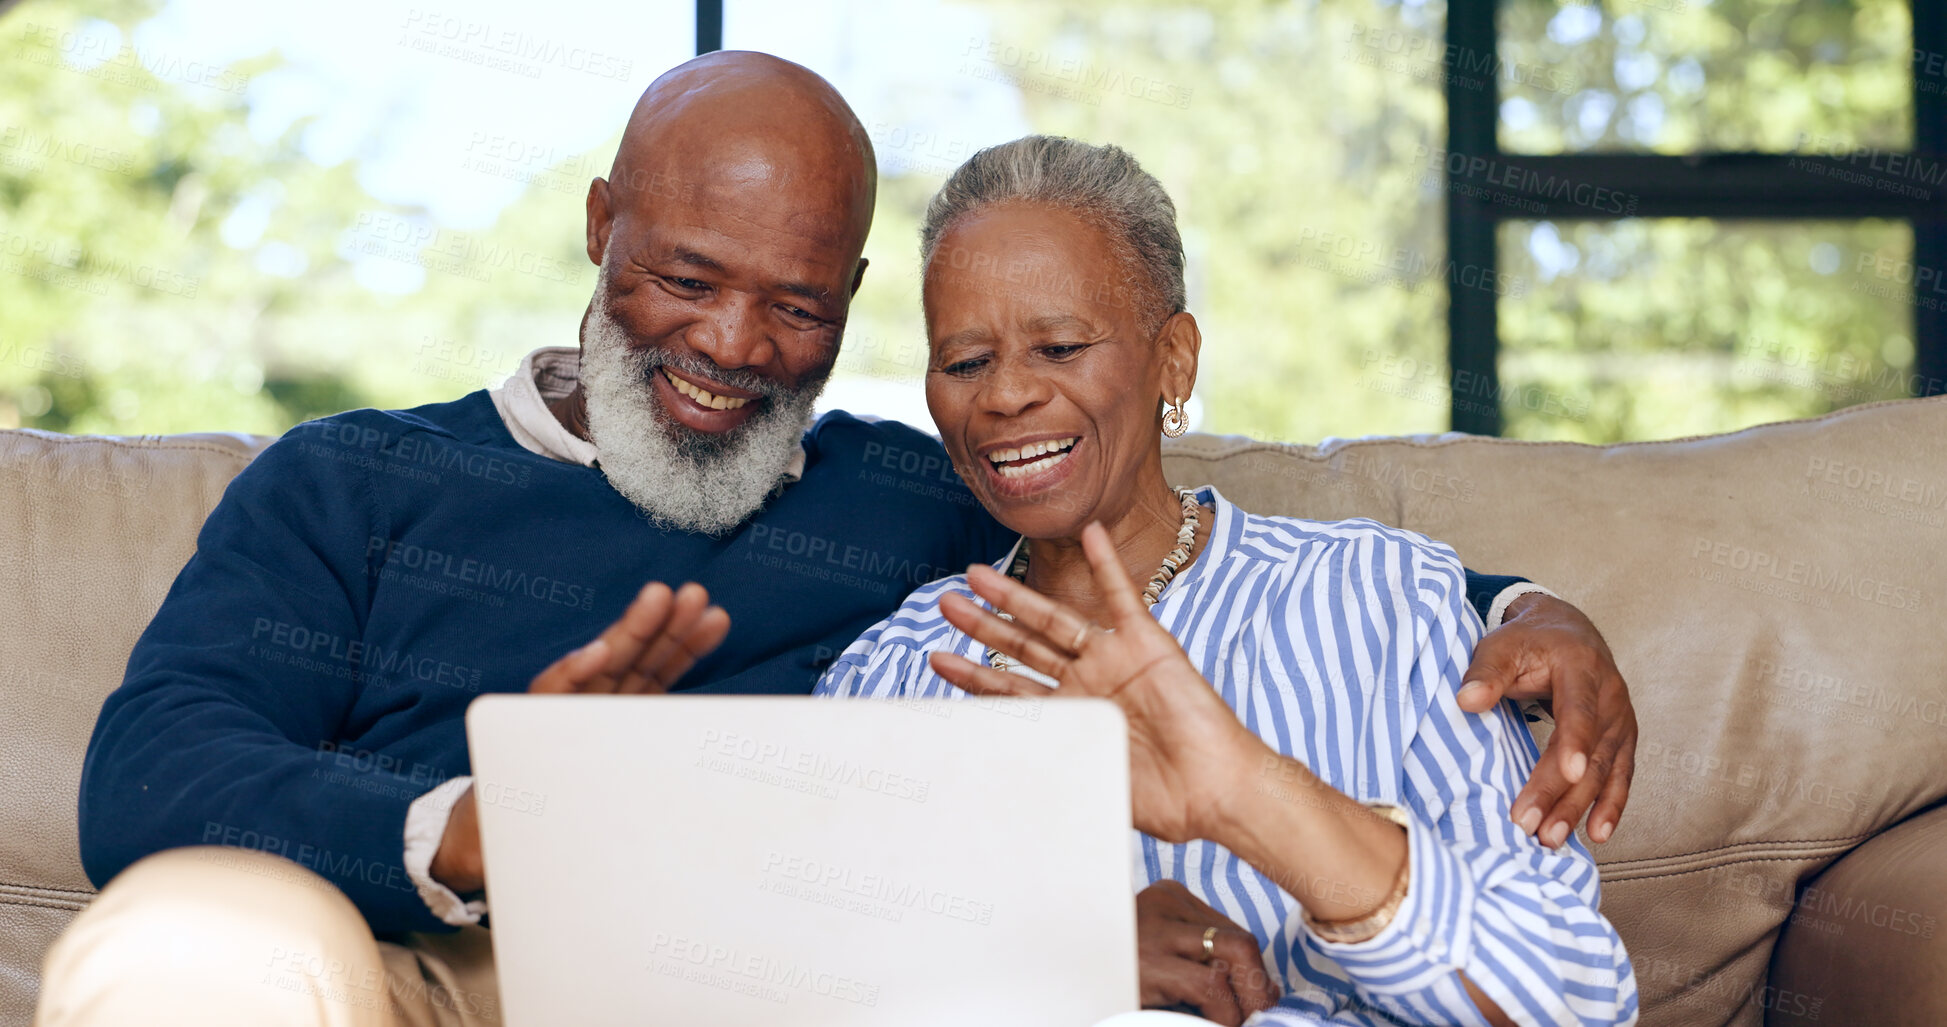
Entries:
{"x":178,"y":251}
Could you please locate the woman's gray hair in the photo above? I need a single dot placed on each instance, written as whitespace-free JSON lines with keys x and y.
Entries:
{"x":1102,"y":184}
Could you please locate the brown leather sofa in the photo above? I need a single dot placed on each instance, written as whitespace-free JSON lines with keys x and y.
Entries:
{"x":1776,"y":597}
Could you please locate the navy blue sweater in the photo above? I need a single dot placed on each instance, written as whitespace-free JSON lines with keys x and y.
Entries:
{"x":370,"y":573}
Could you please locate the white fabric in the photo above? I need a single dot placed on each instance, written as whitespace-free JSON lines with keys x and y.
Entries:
{"x":228,"y":937}
{"x":209,"y":937}
{"x":547,"y":373}
{"x":1499,"y":611}
{"x":425,"y":827}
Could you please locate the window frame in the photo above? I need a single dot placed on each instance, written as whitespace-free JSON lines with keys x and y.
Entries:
{"x":1744,"y":186}
{"x":709,"y":26}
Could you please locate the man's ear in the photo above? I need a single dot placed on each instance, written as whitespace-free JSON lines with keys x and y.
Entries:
{"x":1179,"y":343}
{"x":601,"y":218}
{"x":858,"y":277}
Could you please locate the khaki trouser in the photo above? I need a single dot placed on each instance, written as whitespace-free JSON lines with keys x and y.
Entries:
{"x":233,"y":938}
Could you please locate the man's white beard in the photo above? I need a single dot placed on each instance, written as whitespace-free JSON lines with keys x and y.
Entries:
{"x":680,"y":477}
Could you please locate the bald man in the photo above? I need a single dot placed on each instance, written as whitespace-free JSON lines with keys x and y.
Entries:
{"x":276,"y":799}
{"x":290,"y":738}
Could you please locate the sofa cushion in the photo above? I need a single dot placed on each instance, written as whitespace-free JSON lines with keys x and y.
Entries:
{"x":1866,"y":944}
{"x":1774,"y":598}
{"x":92,"y":531}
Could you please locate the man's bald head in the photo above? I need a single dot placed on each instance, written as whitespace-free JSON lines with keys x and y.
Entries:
{"x":740,"y":120}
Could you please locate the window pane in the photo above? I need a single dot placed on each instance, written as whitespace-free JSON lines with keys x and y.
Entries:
{"x":1681,"y":76}
{"x":1643,"y":328}
{"x":1296,"y":142}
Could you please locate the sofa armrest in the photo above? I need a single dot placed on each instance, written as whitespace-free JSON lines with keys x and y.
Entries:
{"x":1865,"y":943}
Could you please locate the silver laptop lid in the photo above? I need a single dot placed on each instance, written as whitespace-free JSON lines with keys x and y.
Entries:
{"x":745,"y":860}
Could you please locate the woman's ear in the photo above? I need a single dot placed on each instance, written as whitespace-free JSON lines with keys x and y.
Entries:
{"x":1177,"y":347}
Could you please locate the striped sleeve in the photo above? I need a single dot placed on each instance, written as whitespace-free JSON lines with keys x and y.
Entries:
{"x":866,"y":670}
{"x":1518,"y":919}
{"x":889,"y":660}
{"x":850,"y":676}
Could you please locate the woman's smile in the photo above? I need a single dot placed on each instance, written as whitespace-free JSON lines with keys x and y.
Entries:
{"x":1018,"y":469}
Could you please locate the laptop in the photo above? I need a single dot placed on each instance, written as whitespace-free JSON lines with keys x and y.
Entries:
{"x":756,"y":860}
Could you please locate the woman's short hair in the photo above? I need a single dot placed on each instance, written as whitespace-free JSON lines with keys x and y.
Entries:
{"x":1101,"y":184}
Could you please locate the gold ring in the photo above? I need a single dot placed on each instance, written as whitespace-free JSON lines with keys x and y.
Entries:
{"x":1209,"y":943}
{"x":1081,"y":636}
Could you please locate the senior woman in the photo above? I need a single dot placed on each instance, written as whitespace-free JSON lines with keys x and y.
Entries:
{"x":1300,"y":764}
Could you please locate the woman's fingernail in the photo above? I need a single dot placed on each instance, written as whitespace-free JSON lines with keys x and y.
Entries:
{"x":1471,"y":691}
{"x":1600,"y":832}
{"x":1557,"y":834}
{"x":1529,"y":821}
{"x":1578,"y":765}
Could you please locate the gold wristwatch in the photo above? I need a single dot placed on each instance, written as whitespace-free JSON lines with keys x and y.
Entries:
{"x":1365,"y":928}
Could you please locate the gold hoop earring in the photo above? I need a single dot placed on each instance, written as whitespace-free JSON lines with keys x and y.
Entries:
{"x":1174,"y":423}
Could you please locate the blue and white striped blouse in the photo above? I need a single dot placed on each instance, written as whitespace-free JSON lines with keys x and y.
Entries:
{"x":1342,"y":645}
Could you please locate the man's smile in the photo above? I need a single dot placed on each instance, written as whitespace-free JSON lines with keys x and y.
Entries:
{"x":705,"y":397}
{"x":703,"y":405}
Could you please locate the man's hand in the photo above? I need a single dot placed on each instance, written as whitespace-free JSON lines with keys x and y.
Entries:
{"x":1170,"y":925}
{"x":1547,"y":650}
{"x":457,"y":864}
{"x":657,"y":639}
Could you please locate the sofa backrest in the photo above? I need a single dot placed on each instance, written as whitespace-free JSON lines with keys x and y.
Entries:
{"x":1775,"y":598}
{"x":92,"y":531}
